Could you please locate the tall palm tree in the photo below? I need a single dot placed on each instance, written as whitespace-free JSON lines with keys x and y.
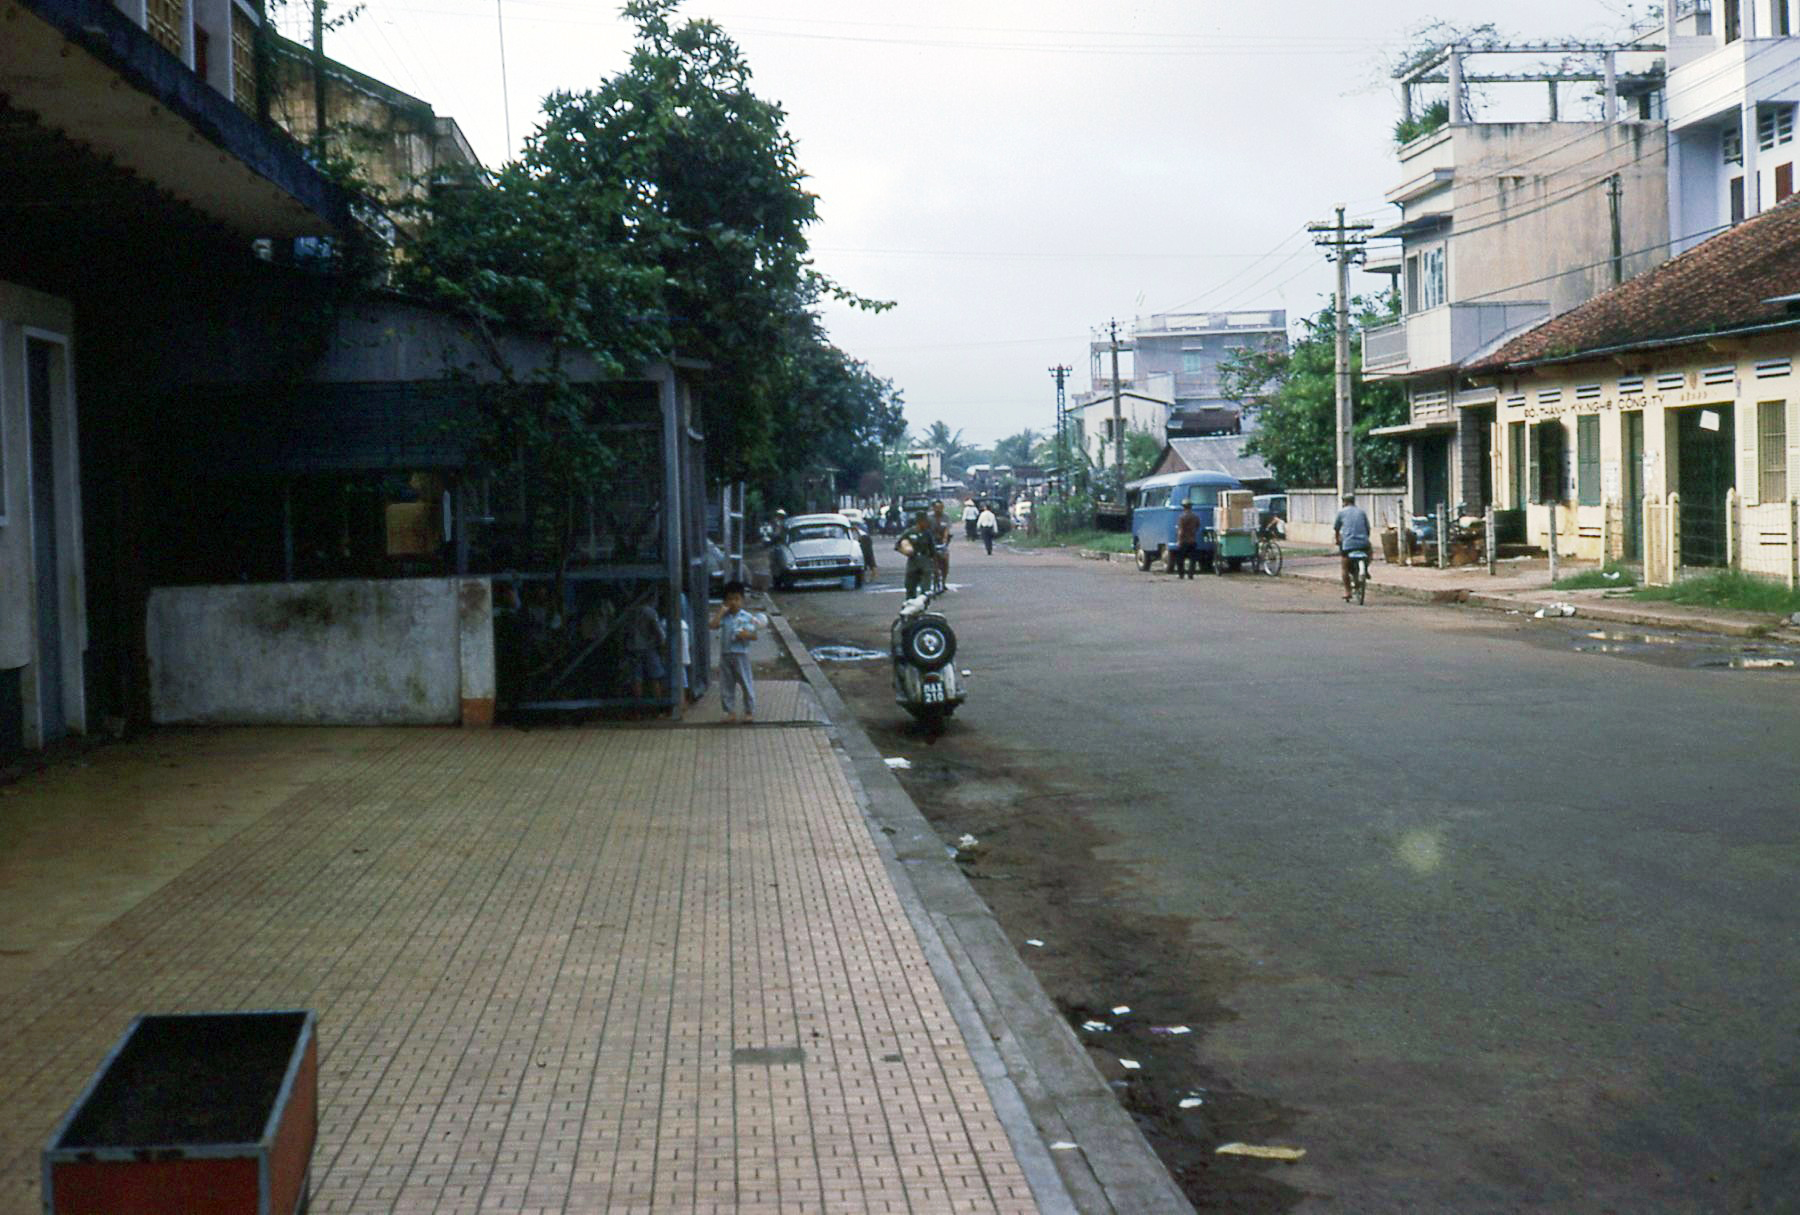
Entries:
{"x":939,"y":438}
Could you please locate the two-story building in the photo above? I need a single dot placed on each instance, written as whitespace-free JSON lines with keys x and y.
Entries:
{"x":1660,"y":421}
{"x":1502,"y":225}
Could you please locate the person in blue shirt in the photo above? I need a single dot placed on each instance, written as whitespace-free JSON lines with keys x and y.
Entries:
{"x":737,"y":629}
{"x":1351,"y":531}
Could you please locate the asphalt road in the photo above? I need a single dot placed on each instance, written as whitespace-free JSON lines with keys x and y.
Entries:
{"x":1481,"y":920}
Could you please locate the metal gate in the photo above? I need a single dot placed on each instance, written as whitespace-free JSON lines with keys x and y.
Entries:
{"x":623,"y":623}
{"x":1706,"y":470}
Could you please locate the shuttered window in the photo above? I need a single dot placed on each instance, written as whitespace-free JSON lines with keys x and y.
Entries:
{"x":1587,"y":460}
{"x":164,"y":19}
{"x":243,"y":61}
{"x":1771,"y":449}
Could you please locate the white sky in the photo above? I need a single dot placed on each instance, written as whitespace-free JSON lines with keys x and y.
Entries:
{"x":1012,"y":172}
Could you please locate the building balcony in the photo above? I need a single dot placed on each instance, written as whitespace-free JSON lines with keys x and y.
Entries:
{"x":1444,"y":337}
{"x":1718,"y":82}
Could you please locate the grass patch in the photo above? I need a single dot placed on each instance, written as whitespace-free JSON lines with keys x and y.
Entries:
{"x":1106,"y":542}
{"x":1726,"y":589}
{"x":1597,"y":580}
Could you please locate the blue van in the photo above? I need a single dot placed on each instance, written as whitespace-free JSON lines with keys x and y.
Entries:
{"x":1155,"y":505}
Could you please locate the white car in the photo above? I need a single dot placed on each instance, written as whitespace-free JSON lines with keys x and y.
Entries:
{"x":816,"y":546}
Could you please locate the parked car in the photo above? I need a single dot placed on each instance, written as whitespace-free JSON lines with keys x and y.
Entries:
{"x":1156,"y":504}
{"x":816,"y":546}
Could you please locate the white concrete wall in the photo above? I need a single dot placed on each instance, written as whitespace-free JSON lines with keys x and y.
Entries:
{"x":391,"y":652}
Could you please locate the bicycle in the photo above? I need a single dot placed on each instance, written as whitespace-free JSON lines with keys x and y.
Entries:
{"x":1359,"y":573}
{"x":1268,"y":556}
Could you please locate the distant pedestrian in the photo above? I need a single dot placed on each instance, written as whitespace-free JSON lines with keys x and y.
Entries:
{"x":971,"y":513}
{"x":737,"y":629}
{"x":988,"y":526}
{"x":1187,"y":541}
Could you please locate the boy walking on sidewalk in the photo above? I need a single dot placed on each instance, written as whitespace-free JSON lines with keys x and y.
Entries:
{"x":737,"y":629}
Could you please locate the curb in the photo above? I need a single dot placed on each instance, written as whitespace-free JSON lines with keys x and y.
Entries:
{"x":1469,"y":597}
{"x":1043,"y":1084}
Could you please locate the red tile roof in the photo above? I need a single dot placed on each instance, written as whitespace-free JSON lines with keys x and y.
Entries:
{"x":1719,"y":285}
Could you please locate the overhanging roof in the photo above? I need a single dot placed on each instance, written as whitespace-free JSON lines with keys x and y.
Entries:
{"x":82,"y":70}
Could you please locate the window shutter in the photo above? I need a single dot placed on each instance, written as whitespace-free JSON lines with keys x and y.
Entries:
{"x":1534,"y":477}
{"x":1793,"y":448}
{"x":1748,"y":480}
{"x":1587,"y":452}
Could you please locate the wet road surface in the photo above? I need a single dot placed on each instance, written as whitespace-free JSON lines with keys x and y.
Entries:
{"x":1485,"y":913}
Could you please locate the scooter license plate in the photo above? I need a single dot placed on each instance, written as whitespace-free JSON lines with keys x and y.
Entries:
{"x":933,"y":693}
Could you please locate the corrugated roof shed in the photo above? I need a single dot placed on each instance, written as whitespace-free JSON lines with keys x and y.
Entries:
{"x":1222,"y":453}
{"x":1722,"y":285}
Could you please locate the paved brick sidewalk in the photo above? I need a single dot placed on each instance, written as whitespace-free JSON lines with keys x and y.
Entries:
{"x":563,"y":970}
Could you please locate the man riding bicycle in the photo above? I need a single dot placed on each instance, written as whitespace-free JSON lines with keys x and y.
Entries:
{"x":1351,"y":532}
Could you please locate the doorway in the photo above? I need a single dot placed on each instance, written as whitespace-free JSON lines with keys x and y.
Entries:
{"x":42,"y":378}
{"x":1433,"y":486}
{"x":1705,"y":473}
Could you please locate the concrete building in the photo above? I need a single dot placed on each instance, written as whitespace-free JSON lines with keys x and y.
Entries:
{"x":1733,"y":84}
{"x":139,"y":179}
{"x":1502,"y":225}
{"x":1660,"y":422}
{"x":1145,"y":410}
{"x":397,"y":141}
{"x":1174,"y":358}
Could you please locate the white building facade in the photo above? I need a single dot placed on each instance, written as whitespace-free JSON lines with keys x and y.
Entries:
{"x":1733,"y":85}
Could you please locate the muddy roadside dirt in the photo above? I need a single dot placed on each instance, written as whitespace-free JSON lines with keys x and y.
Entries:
{"x":1037,"y":865}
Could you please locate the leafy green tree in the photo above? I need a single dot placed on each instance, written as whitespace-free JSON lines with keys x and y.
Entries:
{"x":1017,"y":449}
{"x":1293,"y":396}
{"x":661,"y":214}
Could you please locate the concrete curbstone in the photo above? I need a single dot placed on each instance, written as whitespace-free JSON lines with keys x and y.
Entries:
{"x":1043,"y":1084}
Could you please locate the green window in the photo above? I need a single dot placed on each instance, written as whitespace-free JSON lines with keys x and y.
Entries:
{"x":1587,"y":459}
{"x":1521,"y":474}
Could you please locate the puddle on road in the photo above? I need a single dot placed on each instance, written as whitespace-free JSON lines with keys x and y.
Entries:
{"x":1673,"y":649}
{"x":845,"y":653}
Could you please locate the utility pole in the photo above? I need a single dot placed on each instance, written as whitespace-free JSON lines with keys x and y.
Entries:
{"x":1615,"y":190}
{"x":318,"y":66}
{"x":1061,"y":374}
{"x":1345,"y":245}
{"x":1118,"y":434}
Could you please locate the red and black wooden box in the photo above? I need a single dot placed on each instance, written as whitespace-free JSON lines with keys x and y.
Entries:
{"x":196,"y":1113}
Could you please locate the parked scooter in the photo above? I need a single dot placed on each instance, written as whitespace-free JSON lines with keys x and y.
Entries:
{"x":923,"y":647}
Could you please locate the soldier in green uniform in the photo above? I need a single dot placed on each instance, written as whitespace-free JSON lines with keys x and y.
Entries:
{"x":919,"y":547}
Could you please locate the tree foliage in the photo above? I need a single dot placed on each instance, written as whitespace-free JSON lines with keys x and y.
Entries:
{"x":1292,"y":394}
{"x":1015,"y":450}
{"x":661,"y":214}
{"x":957,"y":454}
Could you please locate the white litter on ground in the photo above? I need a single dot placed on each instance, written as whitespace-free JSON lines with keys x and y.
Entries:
{"x":1062,"y":1145}
{"x":898,"y":762}
{"x":1130,"y":1065}
{"x":968,"y":841}
{"x":1120,"y":1010}
{"x":1188,"y":1103}
{"x":1170,"y":1029}
{"x":1553,"y":609}
{"x":1034,"y":942}
{"x":1096,"y":1027}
